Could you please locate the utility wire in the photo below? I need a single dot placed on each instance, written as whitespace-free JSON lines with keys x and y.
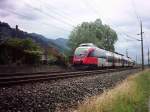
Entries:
{"x":18,"y":14}
{"x":135,"y":12}
{"x":56,"y":12}
{"x":94,"y":10}
{"x":114,"y":26}
{"x":49,"y":15}
{"x":64,"y":22}
{"x":47,"y":24}
{"x":87,"y":5}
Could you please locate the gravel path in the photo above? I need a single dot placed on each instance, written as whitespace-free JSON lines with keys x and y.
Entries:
{"x":56,"y":96}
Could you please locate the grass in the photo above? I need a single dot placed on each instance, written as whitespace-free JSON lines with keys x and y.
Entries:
{"x":131,"y":95}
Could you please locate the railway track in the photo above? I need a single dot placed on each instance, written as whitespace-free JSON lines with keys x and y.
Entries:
{"x":17,"y":78}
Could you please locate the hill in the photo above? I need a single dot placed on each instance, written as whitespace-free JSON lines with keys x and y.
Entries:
{"x":61,"y":42}
{"x":7,"y":32}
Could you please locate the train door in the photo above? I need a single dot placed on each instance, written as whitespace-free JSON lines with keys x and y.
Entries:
{"x":109,"y":60}
{"x":101,"y":62}
{"x":101,"y":54}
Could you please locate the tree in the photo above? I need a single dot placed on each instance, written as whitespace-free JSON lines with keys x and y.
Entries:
{"x":93,"y":32}
{"x":109,"y":38}
{"x":19,"y":51}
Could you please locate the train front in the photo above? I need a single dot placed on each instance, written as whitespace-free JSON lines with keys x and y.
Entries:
{"x":82,"y":57}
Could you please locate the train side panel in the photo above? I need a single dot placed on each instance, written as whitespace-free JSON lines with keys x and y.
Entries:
{"x":89,"y":56}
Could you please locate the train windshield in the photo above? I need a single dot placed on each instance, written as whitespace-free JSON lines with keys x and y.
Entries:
{"x":82,"y":52}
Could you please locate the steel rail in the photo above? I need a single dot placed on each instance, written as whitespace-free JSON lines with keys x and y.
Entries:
{"x":18,"y":79}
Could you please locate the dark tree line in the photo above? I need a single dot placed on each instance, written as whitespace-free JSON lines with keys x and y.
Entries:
{"x":19,"y":51}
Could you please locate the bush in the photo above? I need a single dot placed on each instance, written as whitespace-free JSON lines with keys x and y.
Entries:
{"x":22,"y":51}
{"x":32,"y":57}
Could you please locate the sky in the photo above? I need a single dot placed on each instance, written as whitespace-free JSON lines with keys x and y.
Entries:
{"x":56,"y":18}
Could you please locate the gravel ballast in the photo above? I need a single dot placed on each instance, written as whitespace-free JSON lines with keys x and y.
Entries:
{"x":60,"y":95}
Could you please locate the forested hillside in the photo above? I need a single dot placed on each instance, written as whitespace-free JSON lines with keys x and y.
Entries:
{"x":19,"y":47}
{"x":7,"y":32}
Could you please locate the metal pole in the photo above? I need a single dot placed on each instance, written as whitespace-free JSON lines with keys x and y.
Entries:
{"x":127,"y":52}
{"x":148,"y":56}
{"x":142,"y":46}
{"x":16,"y":31}
{"x":136,"y":59}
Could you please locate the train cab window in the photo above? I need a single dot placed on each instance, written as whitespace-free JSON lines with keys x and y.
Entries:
{"x":81,"y":52}
{"x":91,"y":54}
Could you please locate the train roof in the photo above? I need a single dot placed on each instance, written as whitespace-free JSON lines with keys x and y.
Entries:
{"x":92,"y":45}
{"x":87,"y":44}
{"x":118,"y":53}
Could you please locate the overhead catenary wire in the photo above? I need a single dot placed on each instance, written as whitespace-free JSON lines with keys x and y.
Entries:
{"x":87,"y":5}
{"x":112,"y":25}
{"x":22,"y":15}
{"x":62,"y":21}
{"x":127,"y":38}
{"x":58,"y":13}
{"x":48,"y":15}
{"x":67,"y":23}
{"x":44,"y":23}
{"x":51,"y":16}
{"x":135,"y":12}
{"x":141,"y":33}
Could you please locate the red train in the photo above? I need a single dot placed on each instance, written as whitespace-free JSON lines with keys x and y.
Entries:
{"x":89,"y":55}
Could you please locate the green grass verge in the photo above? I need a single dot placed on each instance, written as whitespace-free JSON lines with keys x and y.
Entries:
{"x":131,"y":95}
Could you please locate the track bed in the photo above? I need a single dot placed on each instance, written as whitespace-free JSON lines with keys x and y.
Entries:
{"x":60,"y":95}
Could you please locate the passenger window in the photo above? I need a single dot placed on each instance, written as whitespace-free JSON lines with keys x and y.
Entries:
{"x":110,"y":59}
